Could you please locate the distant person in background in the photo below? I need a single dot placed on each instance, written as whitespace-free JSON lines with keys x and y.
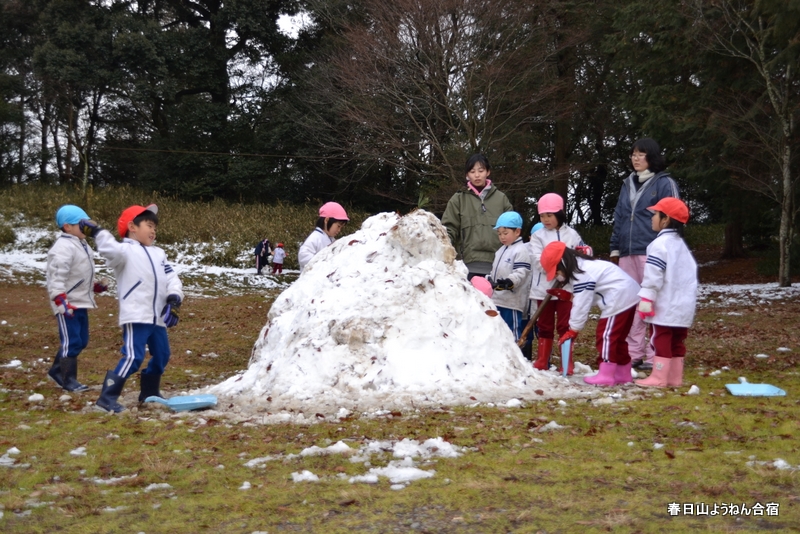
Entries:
{"x":643,"y":188}
{"x":263,"y":251}
{"x":277,"y":259}
{"x":332,"y":218}
{"x":471,"y":215}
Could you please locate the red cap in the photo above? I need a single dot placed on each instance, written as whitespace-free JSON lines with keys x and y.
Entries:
{"x":551,"y":256}
{"x":672,"y":207}
{"x":280,"y":245}
{"x":129,"y":214}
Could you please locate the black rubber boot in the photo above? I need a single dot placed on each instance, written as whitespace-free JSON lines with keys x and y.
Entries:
{"x":55,"y":372}
{"x":112,"y":389}
{"x":69,"y":375}
{"x":150,"y":386}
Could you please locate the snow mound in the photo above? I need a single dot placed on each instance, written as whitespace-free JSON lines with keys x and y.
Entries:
{"x":385,"y":319}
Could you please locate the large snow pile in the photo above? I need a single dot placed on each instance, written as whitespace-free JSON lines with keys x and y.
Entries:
{"x":385,"y":319}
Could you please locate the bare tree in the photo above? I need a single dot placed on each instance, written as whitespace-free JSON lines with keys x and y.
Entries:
{"x":747,"y":30}
{"x":421,"y":83}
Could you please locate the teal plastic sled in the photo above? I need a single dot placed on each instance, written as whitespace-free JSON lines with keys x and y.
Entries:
{"x":755,"y":390}
{"x":186,"y":402}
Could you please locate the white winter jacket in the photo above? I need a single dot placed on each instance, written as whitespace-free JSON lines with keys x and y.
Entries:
{"x":144,"y":278}
{"x":70,"y":270}
{"x":315,"y":242}
{"x":540,"y":239}
{"x":279,"y":255}
{"x":512,"y":262}
{"x":670,"y":280}
{"x":602,"y":284}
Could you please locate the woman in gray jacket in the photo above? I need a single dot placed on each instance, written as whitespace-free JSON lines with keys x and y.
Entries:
{"x":643,"y":188}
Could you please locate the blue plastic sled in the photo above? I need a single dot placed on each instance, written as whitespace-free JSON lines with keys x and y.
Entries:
{"x":755,"y":390}
{"x":186,"y":402}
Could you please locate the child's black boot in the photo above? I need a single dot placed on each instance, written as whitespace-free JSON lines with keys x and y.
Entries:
{"x":69,"y":375}
{"x":151,"y":384}
{"x":55,"y":372}
{"x":112,"y":389}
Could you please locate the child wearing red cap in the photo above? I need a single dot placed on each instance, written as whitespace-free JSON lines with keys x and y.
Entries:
{"x":554,"y":228}
{"x":149,"y":293}
{"x":669,"y":292}
{"x":602,"y":284}
{"x":332,"y":218}
{"x":277,"y":259}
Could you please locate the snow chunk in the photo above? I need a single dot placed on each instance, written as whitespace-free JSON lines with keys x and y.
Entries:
{"x":154,"y":487}
{"x":337,"y":448}
{"x":694,"y":390}
{"x":305,"y":476}
{"x":12,"y":364}
{"x":36,"y":397}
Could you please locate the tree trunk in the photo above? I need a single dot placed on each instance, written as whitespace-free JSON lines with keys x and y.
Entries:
{"x":733,"y":240}
{"x":784,"y":236}
{"x":561,"y":164}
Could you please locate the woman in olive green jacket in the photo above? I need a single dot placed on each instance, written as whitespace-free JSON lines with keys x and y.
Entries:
{"x":471,"y":214}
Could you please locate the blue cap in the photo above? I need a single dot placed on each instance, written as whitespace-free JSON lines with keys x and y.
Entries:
{"x":536,"y":227}
{"x":510,"y":219}
{"x":69,"y":214}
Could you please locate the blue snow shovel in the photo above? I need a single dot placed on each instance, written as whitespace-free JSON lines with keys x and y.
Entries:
{"x":755,"y":390}
{"x":565,"y":356}
{"x":186,"y":402}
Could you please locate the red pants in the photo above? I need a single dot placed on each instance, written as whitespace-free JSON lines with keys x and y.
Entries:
{"x":667,"y":341}
{"x":277,"y":268}
{"x":610,"y":337}
{"x":546,"y":322}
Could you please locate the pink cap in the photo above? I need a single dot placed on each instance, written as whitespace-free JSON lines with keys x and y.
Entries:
{"x":334,"y":211}
{"x":551,"y":203}
{"x":482,"y":284}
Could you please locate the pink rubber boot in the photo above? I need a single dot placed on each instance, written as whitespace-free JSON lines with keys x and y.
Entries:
{"x":622,"y":374}
{"x":675,"y":376}
{"x":605,"y":376}
{"x":658,"y":378}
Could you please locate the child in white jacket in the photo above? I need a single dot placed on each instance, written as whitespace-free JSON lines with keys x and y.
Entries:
{"x":71,"y":286}
{"x":602,"y":284}
{"x":669,"y":293}
{"x":332,"y":218}
{"x":511,"y":272}
{"x":553,"y":219}
{"x":149,"y":293}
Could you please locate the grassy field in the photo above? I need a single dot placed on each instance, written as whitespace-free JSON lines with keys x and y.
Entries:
{"x":616,"y":465}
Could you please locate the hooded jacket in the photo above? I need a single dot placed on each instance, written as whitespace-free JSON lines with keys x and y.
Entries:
{"x":632,"y":228}
{"x":470,"y":219}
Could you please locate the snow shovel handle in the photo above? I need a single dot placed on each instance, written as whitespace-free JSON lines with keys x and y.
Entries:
{"x":525,"y":331}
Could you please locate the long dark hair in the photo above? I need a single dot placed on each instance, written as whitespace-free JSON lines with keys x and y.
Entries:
{"x":569,"y":263}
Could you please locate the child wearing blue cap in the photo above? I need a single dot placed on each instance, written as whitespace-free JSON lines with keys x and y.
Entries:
{"x":511,"y":272}
{"x":71,"y":286}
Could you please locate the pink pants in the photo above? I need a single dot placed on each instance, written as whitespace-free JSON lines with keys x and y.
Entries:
{"x":610,"y":337}
{"x":638,"y":347}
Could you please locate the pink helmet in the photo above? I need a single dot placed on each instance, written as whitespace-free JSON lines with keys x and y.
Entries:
{"x":551,"y":203}
{"x":482,"y":284}
{"x":333,"y":210}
